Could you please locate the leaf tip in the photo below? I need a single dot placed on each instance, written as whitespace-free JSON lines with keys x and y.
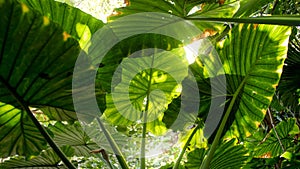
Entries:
{"x":66,"y":36}
{"x":127,"y":2}
{"x":255,"y":26}
{"x":46,"y":21}
{"x":221,"y":2}
{"x":25,"y":9}
{"x":257,"y":123}
{"x":266,"y":155}
{"x":279,"y":70}
{"x":248,"y":134}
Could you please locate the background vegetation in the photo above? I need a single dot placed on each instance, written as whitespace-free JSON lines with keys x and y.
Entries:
{"x":258,"y":44}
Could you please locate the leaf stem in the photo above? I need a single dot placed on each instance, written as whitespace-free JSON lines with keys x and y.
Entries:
{"x":41,"y":129}
{"x":205,"y":164}
{"x":144,"y":132}
{"x":113,"y":145}
{"x":176,"y":165}
{"x":272,"y":20}
{"x":143,"y":145}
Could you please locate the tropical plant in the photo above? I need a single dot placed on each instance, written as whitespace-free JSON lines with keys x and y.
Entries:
{"x":237,"y":101}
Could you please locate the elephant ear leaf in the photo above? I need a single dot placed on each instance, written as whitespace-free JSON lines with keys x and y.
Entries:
{"x":74,"y":136}
{"x":18,"y":133}
{"x":253,"y":57}
{"x":58,"y":114}
{"x":272,"y":146}
{"x":183,"y":9}
{"x":155,"y":83}
{"x":47,"y":159}
{"x":177,"y":7}
{"x":36,"y":62}
{"x":72,"y":20}
{"x":228,"y":155}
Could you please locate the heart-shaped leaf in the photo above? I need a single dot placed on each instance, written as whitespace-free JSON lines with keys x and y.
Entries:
{"x":74,"y":136}
{"x":228,"y":155}
{"x":19,"y":135}
{"x":271,"y":146}
{"x":36,"y":65}
{"x":46,"y":160}
{"x":253,"y":56}
{"x":71,"y":19}
{"x":152,"y":79}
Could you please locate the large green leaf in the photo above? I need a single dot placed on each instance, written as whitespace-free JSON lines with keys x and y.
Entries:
{"x":159,"y":32}
{"x":222,"y":13}
{"x":131,"y":25}
{"x":128,"y":46}
{"x":151,"y":75}
{"x":46,"y":160}
{"x":214,"y":10}
{"x":18,"y":133}
{"x":253,"y":57}
{"x":74,"y":136}
{"x":127,"y":36}
{"x":72,"y":20}
{"x":271,"y":146}
{"x":123,"y":37}
{"x":36,"y":64}
{"x":228,"y":155}
{"x":80,"y":138}
{"x":30,"y":67}
{"x":182,"y":8}
{"x":58,"y":114}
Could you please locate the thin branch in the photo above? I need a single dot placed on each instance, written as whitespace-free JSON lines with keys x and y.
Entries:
{"x":273,"y":126}
{"x":274,"y":6}
{"x":268,"y":122}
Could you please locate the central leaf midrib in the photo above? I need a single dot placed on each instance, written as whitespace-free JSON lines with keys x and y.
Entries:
{"x":23,"y":104}
{"x":40,"y":128}
{"x":13,"y":93}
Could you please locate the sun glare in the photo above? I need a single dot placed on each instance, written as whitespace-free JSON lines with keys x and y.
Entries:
{"x":192,"y":50}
